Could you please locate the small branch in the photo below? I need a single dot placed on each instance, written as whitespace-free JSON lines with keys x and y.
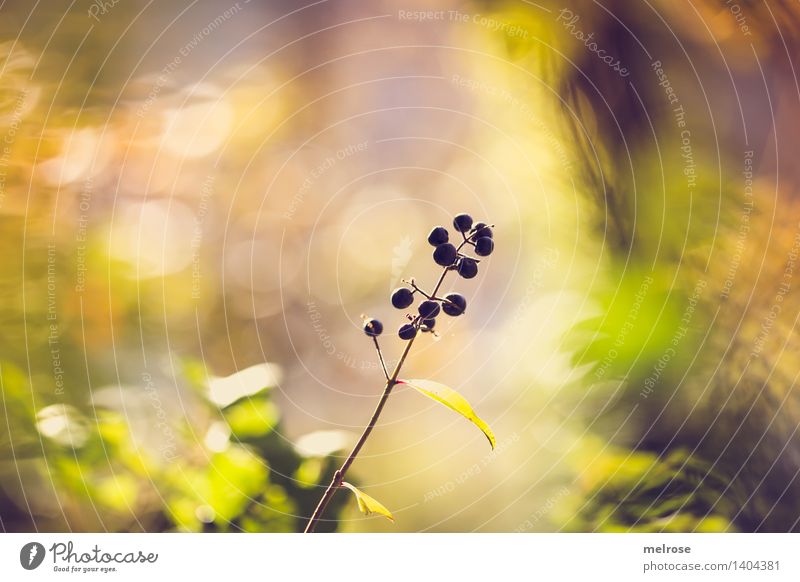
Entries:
{"x":338,"y":476}
{"x":391,"y":380}
{"x":474,"y":234}
{"x":415,"y":287}
{"x":380,"y":356}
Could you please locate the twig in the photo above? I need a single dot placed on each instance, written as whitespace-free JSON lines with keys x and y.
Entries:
{"x":380,"y":356}
{"x":391,"y":380}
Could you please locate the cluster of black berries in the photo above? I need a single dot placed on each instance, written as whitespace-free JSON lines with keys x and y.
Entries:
{"x":447,"y":255}
{"x":480,"y":237}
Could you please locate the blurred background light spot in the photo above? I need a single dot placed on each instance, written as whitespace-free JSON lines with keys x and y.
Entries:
{"x":199,"y":124}
{"x":205,"y":513}
{"x":63,"y":424}
{"x":217,"y":437}
{"x":322,"y":443}
{"x":84,"y":153}
{"x":155,"y":237}
{"x":262,"y":265}
{"x":18,"y":95}
{"x":247,"y":382}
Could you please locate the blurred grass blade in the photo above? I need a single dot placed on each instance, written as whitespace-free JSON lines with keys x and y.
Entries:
{"x":367,"y":504}
{"x":453,"y":400}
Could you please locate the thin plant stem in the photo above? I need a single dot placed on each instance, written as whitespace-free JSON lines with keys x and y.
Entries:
{"x":417,"y":288}
{"x":380,"y":357}
{"x":391,"y":380}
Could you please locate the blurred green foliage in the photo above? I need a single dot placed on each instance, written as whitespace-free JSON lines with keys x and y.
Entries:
{"x":632,"y":491}
{"x":82,"y":456}
{"x":85,"y":471}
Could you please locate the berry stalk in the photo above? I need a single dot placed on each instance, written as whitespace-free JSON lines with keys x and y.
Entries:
{"x":338,"y":476}
{"x":450,"y":257}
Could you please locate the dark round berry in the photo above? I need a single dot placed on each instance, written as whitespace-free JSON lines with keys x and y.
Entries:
{"x":484,"y":246}
{"x":373,"y":327}
{"x":454,"y":304}
{"x":407,"y":331}
{"x":438,"y":236}
{"x":462,"y":222}
{"x":480,"y":230}
{"x":429,"y":309}
{"x":445,"y":255}
{"x":467,"y":268}
{"x":428,"y":324}
{"x":402,"y":297}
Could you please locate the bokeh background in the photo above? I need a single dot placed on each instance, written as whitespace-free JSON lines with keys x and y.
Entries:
{"x":199,"y":200}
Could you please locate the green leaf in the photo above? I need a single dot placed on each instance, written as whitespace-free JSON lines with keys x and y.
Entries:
{"x":453,"y":400}
{"x":252,"y":417}
{"x":367,"y":504}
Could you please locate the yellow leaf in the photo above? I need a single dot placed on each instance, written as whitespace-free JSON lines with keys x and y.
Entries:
{"x":453,"y":400}
{"x":367,"y":504}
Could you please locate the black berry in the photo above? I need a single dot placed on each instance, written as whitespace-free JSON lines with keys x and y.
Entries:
{"x":462,"y":222}
{"x":484,"y":246}
{"x":373,"y":327}
{"x":402,"y":297}
{"x":454,"y":304}
{"x":427,"y":324}
{"x":481,"y":230}
{"x":428,"y":309}
{"x":438,"y":236}
{"x":467,"y":268}
{"x":407,"y":331}
{"x":445,"y":255}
